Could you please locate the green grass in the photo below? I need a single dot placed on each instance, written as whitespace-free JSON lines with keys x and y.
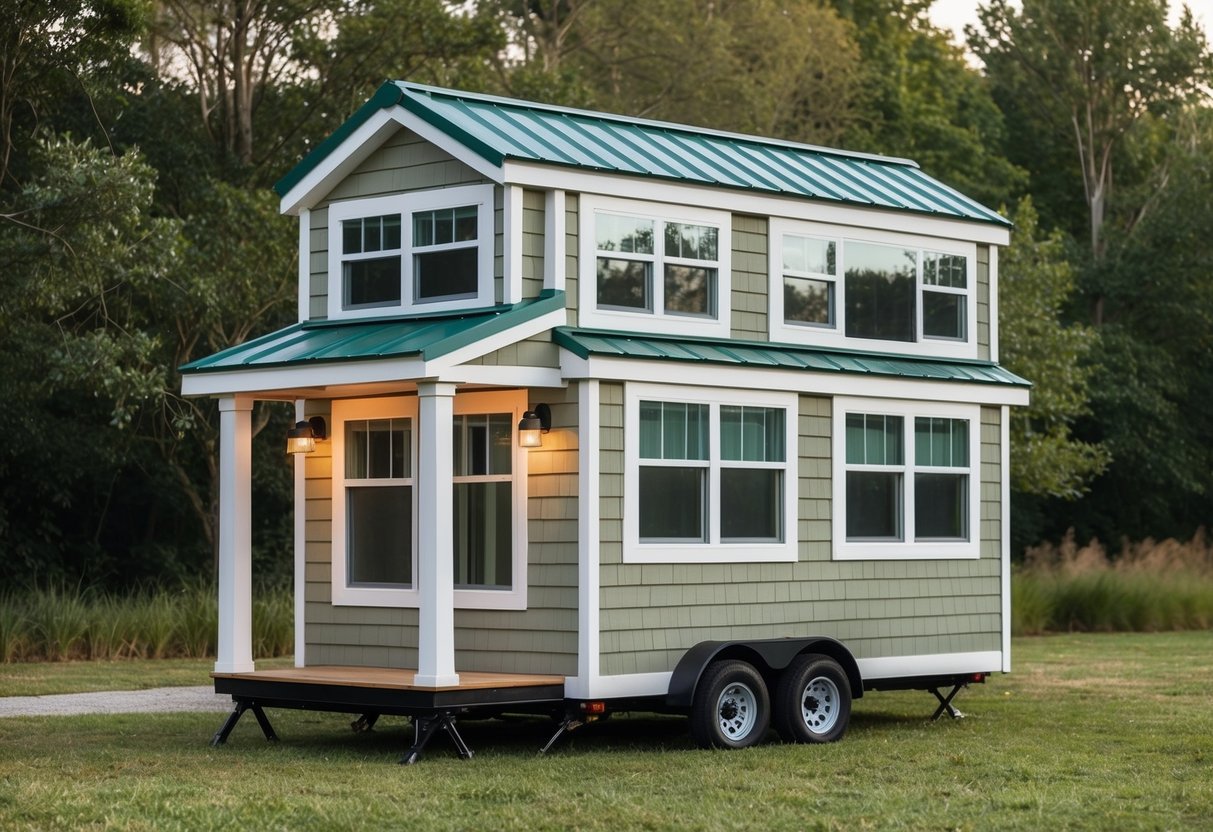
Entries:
{"x":43,"y":678}
{"x":1091,"y":732}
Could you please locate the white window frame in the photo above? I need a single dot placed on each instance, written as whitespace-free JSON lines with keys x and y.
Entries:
{"x":406,"y":204}
{"x":656,"y":320}
{"x":835,"y":336}
{"x":357,"y":410}
{"x":513,"y":402}
{"x":714,"y":550}
{"x":909,"y":548}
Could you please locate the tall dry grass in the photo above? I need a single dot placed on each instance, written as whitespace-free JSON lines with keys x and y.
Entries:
{"x":1145,"y":587}
{"x":62,"y":622}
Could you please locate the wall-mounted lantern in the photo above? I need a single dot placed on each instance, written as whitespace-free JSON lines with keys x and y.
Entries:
{"x":534,"y":424}
{"x":301,"y":439}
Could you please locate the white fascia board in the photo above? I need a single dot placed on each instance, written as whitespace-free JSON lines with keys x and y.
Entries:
{"x":939,"y":664}
{"x":364,"y":141}
{"x":630,"y":685}
{"x":532,"y":175}
{"x":807,"y":382}
{"x":328,"y":374}
{"x":503,"y":376}
{"x":491,"y":343}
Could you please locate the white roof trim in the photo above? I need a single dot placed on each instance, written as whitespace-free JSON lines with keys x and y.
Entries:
{"x":808,"y":382}
{"x":370,"y":135}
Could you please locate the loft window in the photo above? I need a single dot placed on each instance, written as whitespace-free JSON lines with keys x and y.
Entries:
{"x":417,"y":251}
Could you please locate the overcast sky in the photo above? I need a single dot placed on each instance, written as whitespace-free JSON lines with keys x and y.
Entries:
{"x":954,"y":14}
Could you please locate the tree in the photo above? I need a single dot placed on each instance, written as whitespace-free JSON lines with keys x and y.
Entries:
{"x":1035,"y":283}
{"x":1094,"y":75}
{"x":920,"y":99}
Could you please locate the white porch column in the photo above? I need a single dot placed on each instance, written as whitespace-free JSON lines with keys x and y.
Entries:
{"x":235,"y":647}
{"x":435,"y":537}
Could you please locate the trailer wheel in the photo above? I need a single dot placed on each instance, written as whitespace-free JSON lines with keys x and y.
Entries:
{"x":731,"y":708}
{"x":813,"y":700}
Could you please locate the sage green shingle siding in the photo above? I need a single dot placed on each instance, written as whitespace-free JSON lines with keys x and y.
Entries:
{"x":750,"y":277}
{"x":983,"y":302}
{"x":570,"y":254}
{"x":533,"y":216}
{"x":405,"y":162}
{"x":540,"y":639}
{"x":651,"y":613}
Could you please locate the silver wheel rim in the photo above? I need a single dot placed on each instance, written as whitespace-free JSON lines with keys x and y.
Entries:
{"x":819,"y":705}
{"x":737,"y":711}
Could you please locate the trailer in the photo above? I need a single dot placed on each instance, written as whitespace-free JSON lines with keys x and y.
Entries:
{"x":600,"y":414}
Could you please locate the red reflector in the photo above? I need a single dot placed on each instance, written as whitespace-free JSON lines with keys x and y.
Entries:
{"x":979,"y":678}
{"x":594,"y":707}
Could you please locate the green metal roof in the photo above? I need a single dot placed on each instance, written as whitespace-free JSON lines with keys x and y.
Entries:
{"x":426,"y":336}
{"x":500,"y":129}
{"x":760,"y":354}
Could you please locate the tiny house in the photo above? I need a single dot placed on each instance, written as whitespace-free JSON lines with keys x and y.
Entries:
{"x":600,"y":413}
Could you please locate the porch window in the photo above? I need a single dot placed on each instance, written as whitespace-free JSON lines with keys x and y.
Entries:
{"x":379,"y":502}
{"x":484,"y":500}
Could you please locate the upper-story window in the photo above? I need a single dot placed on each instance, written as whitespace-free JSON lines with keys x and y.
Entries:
{"x":650,"y":266}
{"x":831,"y":284}
{"x":414,"y":252}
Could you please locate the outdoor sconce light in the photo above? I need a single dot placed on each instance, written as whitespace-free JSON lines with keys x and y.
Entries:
{"x":534,"y":424}
{"x":301,"y":439}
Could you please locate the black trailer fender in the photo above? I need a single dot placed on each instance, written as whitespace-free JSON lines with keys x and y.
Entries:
{"x":769,"y":656}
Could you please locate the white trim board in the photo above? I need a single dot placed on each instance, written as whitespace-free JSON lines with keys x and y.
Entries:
{"x":937,"y":664}
{"x":808,"y":382}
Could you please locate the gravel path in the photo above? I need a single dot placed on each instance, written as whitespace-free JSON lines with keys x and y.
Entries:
{"x":155,"y":700}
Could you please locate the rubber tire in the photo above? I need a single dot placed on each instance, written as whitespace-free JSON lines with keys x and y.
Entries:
{"x":792,"y":690}
{"x":705,"y":707}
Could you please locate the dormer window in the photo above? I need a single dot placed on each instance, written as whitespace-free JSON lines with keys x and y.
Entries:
{"x":833,"y":285}
{"x":415,"y":252}
{"x":646,"y":266}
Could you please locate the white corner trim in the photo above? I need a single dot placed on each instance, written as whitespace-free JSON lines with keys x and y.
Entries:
{"x":937,"y":664}
{"x":1004,"y":524}
{"x":300,"y":530}
{"x":588,"y":601}
{"x":554,"y":240}
{"x":305,"y":265}
{"x":993,"y":290}
{"x":511,"y":233}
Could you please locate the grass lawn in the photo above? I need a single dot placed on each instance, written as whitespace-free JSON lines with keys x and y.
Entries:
{"x":42,"y":678}
{"x":1091,"y":732}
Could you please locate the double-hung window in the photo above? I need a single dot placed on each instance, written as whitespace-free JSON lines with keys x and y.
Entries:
{"x":831,"y":285}
{"x":376,"y":447}
{"x":414,"y":252}
{"x":648,"y":265}
{"x":905,"y":479}
{"x":710,"y":475}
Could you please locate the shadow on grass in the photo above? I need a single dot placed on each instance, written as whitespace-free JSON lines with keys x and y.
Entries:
{"x":512,"y":736}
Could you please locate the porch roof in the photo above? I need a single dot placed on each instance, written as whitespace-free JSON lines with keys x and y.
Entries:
{"x":425,"y":336}
{"x":585,"y":343}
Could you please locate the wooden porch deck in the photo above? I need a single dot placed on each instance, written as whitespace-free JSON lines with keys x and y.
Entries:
{"x":388,"y":690}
